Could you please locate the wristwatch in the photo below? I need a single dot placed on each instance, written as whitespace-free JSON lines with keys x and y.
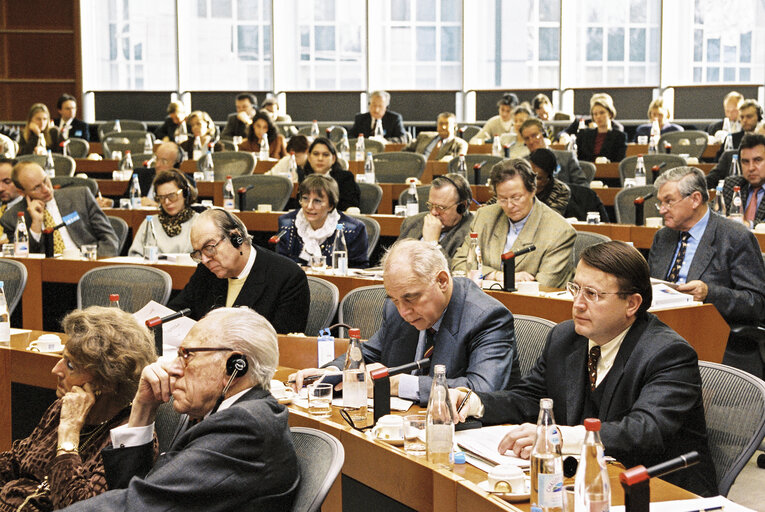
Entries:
{"x":67,"y":447}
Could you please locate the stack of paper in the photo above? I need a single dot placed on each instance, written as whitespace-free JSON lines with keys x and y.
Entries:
{"x":483,"y":443}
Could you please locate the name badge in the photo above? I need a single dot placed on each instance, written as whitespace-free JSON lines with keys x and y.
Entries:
{"x":71,"y":218}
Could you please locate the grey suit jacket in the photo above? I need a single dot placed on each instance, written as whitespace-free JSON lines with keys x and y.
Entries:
{"x":450,"y":242}
{"x":570,"y":170}
{"x":92,"y":228}
{"x":727,"y":260}
{"x":476,"y":342}
{"x":451,"y":149}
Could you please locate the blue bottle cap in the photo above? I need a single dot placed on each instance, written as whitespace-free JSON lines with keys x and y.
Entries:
{"x":459,"y":457}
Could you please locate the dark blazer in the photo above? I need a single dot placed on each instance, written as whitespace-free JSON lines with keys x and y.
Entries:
{"x":570,"y":170}
{"x":354,"y":230}
{"x":393,"y":126}
{"x":740,"y":181}
{"x":715,"y":127}
{"x":146,"y":177}
{"x":241,"y":458}
{"x":582,"y":200}
{"x":645,"y":129}
{"x":721,"y":169}
{"x":77,"y":128}
{"x":234,"y":127}
{"x":92,"y":228}
{"x":276,"y":288}
{"x":476,"y":342}
{"x":452,"y":239}
{"x":651,"y":409}
{"x":727,"y":260}
{"x":27,"y":147}
{"x":167,"y":129}
{"x":350,"y":195}
{"x":614,"y":147}
{"x":735,"y":139}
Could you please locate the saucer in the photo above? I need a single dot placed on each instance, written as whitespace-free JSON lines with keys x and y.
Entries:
{"x":511,"y":497}
{"x":287,"y":397}
{"x":35,"y":349}
{"x":396,"y":441}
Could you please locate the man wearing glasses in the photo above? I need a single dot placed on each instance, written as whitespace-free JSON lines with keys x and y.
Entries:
{"x":532,"y":132}
{"x":232,"y":449}
{"x":517,"y":220}
{"x":447,"y":221}
{"x":616,"y":362}
{"x":234,"y":272}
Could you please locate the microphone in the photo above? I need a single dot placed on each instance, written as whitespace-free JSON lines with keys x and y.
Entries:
{"x":639,"y":203}
{"x":278,"y":236}
{"x":508,"y":266}
{"x":242,"y":191}
{"x":510,"y":254}
{"x":404,"y":368}
{"x":155,"y":324}
{"x":635,"y":481}
{"x":477,"y":172}
{"x":47,"y":234}
{"x":656,"y":169}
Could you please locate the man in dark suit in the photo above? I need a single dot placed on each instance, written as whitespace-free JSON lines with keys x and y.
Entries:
{"x":46,"y":208}
{"x":392,"y":122}
{"x":751,"y":157}
{"x":749,"y":114}
{"x":68,"y":125}
{"x":232,"y":449}
{"x":233,"y":272}
{"x":616,"y":362}
{"x":239,"y":121}
{"x":430,"y":314}
{"x":720,"y":263}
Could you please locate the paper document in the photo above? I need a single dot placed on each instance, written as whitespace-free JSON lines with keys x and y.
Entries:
{"x":666,"y":296}
{"x":693,"y":505}
{"x":484,"y":441}
{"x":172,"y":332}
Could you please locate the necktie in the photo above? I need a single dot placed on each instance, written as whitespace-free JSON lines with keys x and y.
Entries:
{"x":58,"y":241}
{"x":434,"y":152}
{"x":430,"y":337}
{"x":592,"y":366}
{"x":751,"y":208}
{"x":2,"y":211}
{"x":674,"y":272}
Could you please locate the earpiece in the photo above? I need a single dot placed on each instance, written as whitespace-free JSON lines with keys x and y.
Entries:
{"x":236,"y":363}
{"x":236,"y":239}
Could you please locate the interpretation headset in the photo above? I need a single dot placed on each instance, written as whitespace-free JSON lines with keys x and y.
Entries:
{"x":236,"y":237}
{"x":464,"y":195}
{"x":236,"y":366}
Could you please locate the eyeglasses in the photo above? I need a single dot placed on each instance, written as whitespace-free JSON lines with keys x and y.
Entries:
{"x":344,"y":414}
{"x":185,"y":353}
{"x":316,"y":203}
{"x":668,"y":205}
{"x":438,"y":207}
{"x":532,"y":136}
{"x":516,"y":200}
{"x":590,"y":294}
{"x":172,"y":196}
{"x":208,"y":250}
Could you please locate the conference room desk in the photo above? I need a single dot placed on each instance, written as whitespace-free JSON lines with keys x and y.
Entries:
{"x":610,"y":170}
{"x":642,"y":149}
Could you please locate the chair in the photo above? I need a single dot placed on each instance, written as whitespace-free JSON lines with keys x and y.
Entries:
{"x":363,"y":308}
{"x":74,"y":181}
{"x":139,"y":158}
{"x":583,"y":240}
{"x":690,"y":142}
{"x":126,"y":140}
{"x":335,"y":135}
{"x":627,"y":166}
{"x":78,"y":148}
{"x":231,"y":163}
{"x":135,"y":284}
{"x":273,"y":190}
{"x":423,"y":193}
{"x":324,"y":299}
{"x":588,"y":168}
{"x":120,"y":227}
{"x":14,"y":277}
{"x":371,"y":195}
{"x":106,"y":128}
{"x":320,"y":459}
{"x":396,"y":167}
{"x":373,"y":231}
{"x":8,"y":147}
{"x":468,"y":132}
{"x":64,"y":165}
{"x":370,"y":146}
{"x":734,"y":406}
{"x":624,"y":205}
{"x":470,"y":161}
{"x":530,"y":336}
{"x":166,"y":425}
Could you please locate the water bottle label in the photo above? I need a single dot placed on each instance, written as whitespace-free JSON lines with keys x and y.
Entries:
{"x":228,"y":204}
{"x":550,"y":489}
{"x":5,"y":329}
{"x":21,"y":249}
{"x":554,"y":435}
{"x":736,"y":200}
{"x":135,"y":202}
{"x":640,"y":181}
{"x":209,"y":175}
{"x":412,"y":209}
{"x":342,"y":266}
{"x":326,"y":350}
{"x":151,"y":253}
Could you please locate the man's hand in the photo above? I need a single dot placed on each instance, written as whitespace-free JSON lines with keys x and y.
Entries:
{"x":456,"y":396}
{"x":519,"y":440}
{"x":104,"y":202}
{"x":36,"y":209}
{"x":296,"y":379}
{"x":244,"y":117}
{"x":431,"y":228}
{"x":154,"y":389}
{"x":697,"y":288}
{"x":523,"y":276}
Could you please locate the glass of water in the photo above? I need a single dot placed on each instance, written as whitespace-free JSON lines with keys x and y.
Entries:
{"x":414,"y":434}
{"x":320,"y":400}
{"x":90,"y":252}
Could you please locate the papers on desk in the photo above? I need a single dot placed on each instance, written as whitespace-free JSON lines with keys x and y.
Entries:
{"x":177,"y":258}
{"x":693,"y":505}
{"x":19,"y":331}
{"x":172,"y":332}
{"x":396,"y":403}
{"x":665,"y":296}
{"x":482,"y":443}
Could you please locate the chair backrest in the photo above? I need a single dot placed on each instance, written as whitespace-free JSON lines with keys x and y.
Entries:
{"x":231,"y":163}
{"x":14,"y":277}
{"x":627,"y":166}
{"x":734,"y":406}
{"x":126,"y":140}
{"x":335,"y":135}
{"x":624,"y":205}
{"x":166,"y":425}
{"x":363,"y":308}
{"x":324,"y":300}
{"x":530,"y":336}
{"x":370,"y":146}
{"x":588,"y":168}
{"x":139,"y":158}
{"x":120,"y":227}
{"x":106,"y":128}
{"x":8,"y":147}
{"x":267,"y":189}
{"x":320,"y":459}
{"x":373,"y":231}
{"x":64,"y":165}
{"x":397,"y":166}
{"x":78,"y":148}
{"x":135,"y":284}
{"x":423,"y":193}
{"x":371,"y":195}
{"x":470,"y":161}
{"x":690,"y":142}
{"x":583,"y":240}
{"x":227,"y":144}
{"x":468,"y":132}
{"x":75,"y":181}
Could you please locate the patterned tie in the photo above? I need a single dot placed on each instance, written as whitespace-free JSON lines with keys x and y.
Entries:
{"x":58,"y":241}
{"x":674,"y":272}
{"x":751,"y":208}
{"x":592,"y":366}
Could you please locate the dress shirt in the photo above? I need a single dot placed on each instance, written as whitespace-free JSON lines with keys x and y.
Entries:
{"x":64,"y":128}
{"x":235,"y":284}
{"x":515,"y":229}
{"x":52,"y":208}
{"x":760,"y":192}
{"x":696,"y":232}
{"x":408,"y":385}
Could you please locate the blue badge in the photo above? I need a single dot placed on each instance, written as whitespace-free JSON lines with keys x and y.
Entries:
{"x":71,"y":218}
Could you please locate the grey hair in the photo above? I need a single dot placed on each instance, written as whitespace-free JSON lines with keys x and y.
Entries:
{"x":225,"y":222}
{"x":425,"y":259}
{"x":248,"y":332}
{"x":381,"y":94}
{"x":689,"y":180}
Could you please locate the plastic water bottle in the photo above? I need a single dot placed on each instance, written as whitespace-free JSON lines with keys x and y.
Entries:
{"x":640,"y":172}
{"x":719,"y":202}
{"x":264,"y":153}
{"x":360,"y":150}
{"x":198,"y":151}
{"x":315,"y":129}
{"x":354,"y":378}
{"x":114,"y":300}
{"x":181,"y":133}
{"x":462,"y":167}
{"x":412,"y":201}
{"x":340,"y":253}
{"x":228,"y":194}
{"x":496,"y":147}
{"x":572,"y":144}
{"x":582,"y":125}
{"x":293,"y":168}
{"x":736,"y":211}
{"x":547,"y":462}
{"x":50,"y":168}
{"x":148,"y":145}
{"x":126,"y":166}
{"x":728,"y":144}
{"x":344,"y":148}
{"x":474,"y":261}
{"x":369,"y":169}
{"x":117,"y":126}
{"x":439,"y":429}
{"x":135,"y":193}
{"x":735,"y":168}
{"x":208,"y":167}
{"x":150,"y":249}
{"x":5,"y":318}
{"x":592,"y":487}
{"x":653,"y":141}
{"x":21,"y":238}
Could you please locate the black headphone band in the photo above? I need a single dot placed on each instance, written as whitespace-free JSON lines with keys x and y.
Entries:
{"x":462,"y":205}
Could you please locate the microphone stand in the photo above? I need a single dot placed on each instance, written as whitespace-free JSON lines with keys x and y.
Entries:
{"x":636,"y":481}
{"x":155,"y":324}
{"x":508,"y":268}
{"x":381,"y":384}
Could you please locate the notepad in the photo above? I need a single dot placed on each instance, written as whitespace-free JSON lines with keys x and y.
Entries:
{"x":483,"y":443}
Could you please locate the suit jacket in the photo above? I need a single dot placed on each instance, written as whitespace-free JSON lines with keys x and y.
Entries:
{"x":451,"y":149}
{"x":645,"y":129}
{"x":614,"y":147}
{"x":77,"y":128}
{"x":740,"y":181}
{"x":393,"y":126}
{"x":276,"y":288}
{"x":570,"y":170}
{"x":167,"y":129}
{"x":735,"y":139}
{"x":651,"y":409}
{"x":355,"y":232}
{"x":27,"y":147}
{"x":715,"y":127}
{"x":234,"y":127}
{"x":721,"y":169}
{"x":350,"y":194}
{"x":240,"y":458}
{"x":451,"y":240}
{"x":476,"y":342}
{"x":554,"y":238}
{"x":582,"y":200}
{"x":727,"y":260}
{"x":92,"y":228}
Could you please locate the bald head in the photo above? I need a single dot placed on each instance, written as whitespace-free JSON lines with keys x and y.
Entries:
{"x":167,"y":156}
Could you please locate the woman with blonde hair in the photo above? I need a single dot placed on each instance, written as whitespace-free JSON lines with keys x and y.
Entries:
{"x":39,"y":132}
{"x":661,"y":114}
{"x":200,"y":125}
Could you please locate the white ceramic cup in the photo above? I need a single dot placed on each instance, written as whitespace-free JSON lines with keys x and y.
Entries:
{"x":72,"y":253}
{"x":388,"y":427}
{"x":528,"y":287}
{"x":47,"y":343}
{"x":264,"y":207}
{"x":653,"y":222}
{"x":507,"y":478}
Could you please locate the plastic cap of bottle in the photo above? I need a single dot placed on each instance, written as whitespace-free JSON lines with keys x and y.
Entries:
{"x":592,"y":424}
{"x":114,"y":297}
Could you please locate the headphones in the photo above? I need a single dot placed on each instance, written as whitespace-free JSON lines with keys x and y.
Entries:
{"x":236,"y":364}
{"x":462,"y":205}
{"x":236,"y":237}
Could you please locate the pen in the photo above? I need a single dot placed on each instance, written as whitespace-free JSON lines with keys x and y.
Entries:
{"x":307,"y":380}
{"x":464,"y":400}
